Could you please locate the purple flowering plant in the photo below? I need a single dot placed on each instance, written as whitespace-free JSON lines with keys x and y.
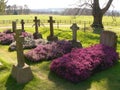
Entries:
{"x":49,"y":51}
{"x":6,"y":39}
{"x":80,"y":64}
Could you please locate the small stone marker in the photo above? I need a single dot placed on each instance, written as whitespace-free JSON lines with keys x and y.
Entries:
{"x":108,"y":38}
{"x":74,"y":28}
{"x":37,"y":35}
{"x":21,"y":72}
{"x":51,"y":37}
{"x":22,"y":25}
{"x":14,"y":26}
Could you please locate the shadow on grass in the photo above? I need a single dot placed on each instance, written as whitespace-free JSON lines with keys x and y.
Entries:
{"x":11,"y":84}
{"x":108,"y":79}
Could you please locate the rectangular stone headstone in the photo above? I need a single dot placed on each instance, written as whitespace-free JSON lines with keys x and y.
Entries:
{"x":108,"y":38}
{"x":14,"y":26}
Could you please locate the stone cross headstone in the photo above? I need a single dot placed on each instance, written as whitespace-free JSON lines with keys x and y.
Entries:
{"x":14,"y":26}
{"x":51,"y":21}
{"x":37,"y":21}
{"x":37,"y":35}
{"x":22,"y":25}
{"x":74,"y":41}
{"x":51,"y":37}
{"x":21,"y":72}
{"x":74,"y":28}
{"x":108,"y":38}
{"x":19,"y":48}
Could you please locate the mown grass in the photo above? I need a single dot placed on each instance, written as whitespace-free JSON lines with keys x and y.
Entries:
{"x":45,"y":80}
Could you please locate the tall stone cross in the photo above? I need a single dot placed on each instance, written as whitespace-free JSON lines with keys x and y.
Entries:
{"x":22,"y":25}
{"x":19,"y":47}
{"x":37,"y":22}
{"x":74,"y":28}
{"x":21,"y":72}
{"x":51,"y":21}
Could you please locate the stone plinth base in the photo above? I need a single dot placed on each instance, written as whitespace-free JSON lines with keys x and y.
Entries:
{"x":37,"y":35}
{"x":76,"y":44}
{"x":52,"y":38}
{"x":22,"y":74}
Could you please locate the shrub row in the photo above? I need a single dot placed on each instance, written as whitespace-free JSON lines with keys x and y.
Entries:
{"x":49,"y":51}
{"x":80,"y":64}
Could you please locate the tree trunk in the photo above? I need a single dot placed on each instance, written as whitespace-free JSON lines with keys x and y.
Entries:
{"x":98,"y":13}
{"x":97,"y":22}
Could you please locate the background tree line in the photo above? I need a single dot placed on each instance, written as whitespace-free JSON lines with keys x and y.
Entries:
{"x":12,"y":9}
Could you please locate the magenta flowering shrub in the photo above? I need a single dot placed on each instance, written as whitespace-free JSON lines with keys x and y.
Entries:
{"x":7,"y":31}
{"x":25,"y":34}
{"x":49,"y":51}
{"x":80,"y":64}
{"x":6,"y":39}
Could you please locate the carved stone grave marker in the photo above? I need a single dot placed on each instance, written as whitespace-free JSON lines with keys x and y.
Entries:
{"x":74,"y":28}
{"x":37,"y":23}
{"x":22,"y":25}
{"x":51,"y":37}
{"x":108,"y":38}
{"x":21,"y":72}
{"x":13,"y":26}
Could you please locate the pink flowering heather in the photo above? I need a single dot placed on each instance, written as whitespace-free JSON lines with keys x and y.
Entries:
{"x":6,"y":39}
{"x":49,"y":51}
{"x":80,"y":64}
{"x":25,"y":34}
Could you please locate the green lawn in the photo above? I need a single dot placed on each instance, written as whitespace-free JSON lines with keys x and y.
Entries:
{"x":45,"y":80}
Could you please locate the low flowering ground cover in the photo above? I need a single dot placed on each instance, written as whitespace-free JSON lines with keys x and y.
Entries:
{"x":80,"y":64}
{"x":49,"y":51}
{"x":7,"y":37}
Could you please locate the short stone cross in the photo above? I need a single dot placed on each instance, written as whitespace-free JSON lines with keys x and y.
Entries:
{"x":13,"y":26}
{"x":74,"y":28}
{"x":21,"y":72}
{"x":22,"y":25}
{"x":19,"y":48}
{"x":37,"y":23}
{"x":51,"y":21}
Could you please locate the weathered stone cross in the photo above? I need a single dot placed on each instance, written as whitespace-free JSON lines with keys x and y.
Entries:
{"x":51,"y":21}
{"x":22,"y":25}
{"x":37,"y":21}
{"x":74,"y":28}
{"x":19,"y":48}
{"x":21,"y":72}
